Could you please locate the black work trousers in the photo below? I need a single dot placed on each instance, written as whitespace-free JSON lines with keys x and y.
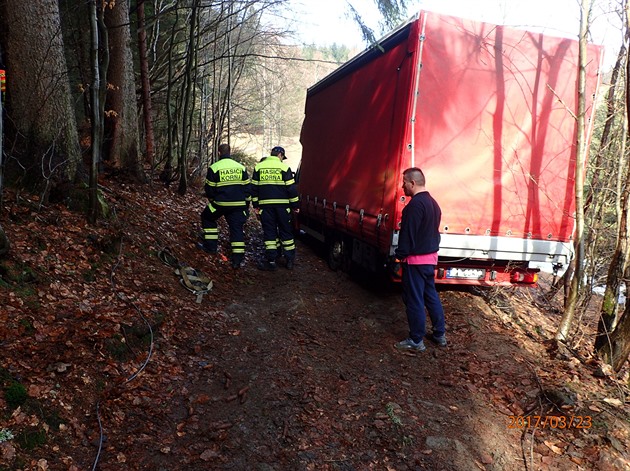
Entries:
{"x":276,"y":224}
{"x":235,"y":218}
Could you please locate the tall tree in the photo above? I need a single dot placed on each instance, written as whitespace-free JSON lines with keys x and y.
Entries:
{"x":619,"y":260}
{"x":42,"y":127}
{"x":96,"y":134}
{"x":2,"y":91}
{"x":614,"y":347}
{"x":145,"y":79}
{"x":187,"y":91}
{"x":582,"y":142}
{"x":121,"y":125}
{"x":392,"y":13}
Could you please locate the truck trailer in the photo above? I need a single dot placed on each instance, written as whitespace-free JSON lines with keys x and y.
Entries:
{"x":488,"y":112}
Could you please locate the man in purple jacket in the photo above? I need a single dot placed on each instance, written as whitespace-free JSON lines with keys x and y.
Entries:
{"x":418,"y":245}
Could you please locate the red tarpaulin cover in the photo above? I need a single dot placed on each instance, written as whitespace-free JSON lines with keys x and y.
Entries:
{"x":492,"y":125}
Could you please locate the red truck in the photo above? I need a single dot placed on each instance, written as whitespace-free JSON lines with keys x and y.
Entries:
{"x":486,"y":111}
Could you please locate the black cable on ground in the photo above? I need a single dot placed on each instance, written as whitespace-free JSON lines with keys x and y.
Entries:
{"x":141,"y":369}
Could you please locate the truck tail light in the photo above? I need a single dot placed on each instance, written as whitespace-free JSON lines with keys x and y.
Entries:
{"x":525,"y":277}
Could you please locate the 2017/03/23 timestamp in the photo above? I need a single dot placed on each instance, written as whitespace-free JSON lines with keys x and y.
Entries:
{"x":550,"y":421}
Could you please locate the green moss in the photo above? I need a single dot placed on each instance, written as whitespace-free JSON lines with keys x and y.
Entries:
{"x":28,"y":294}
{"x":6,"y":435}
{"x":89,"y":276}
{"x":30,"y":439}
{"x":15,"y":394}
{"x":27,"y":325}
{"x":18,"y":273}
{"x":118,"y":348}
{"x":609,"y":304}
{"x":21,"y":278}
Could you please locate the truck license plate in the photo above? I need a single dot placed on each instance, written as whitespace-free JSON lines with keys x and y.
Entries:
{"x":466,"y":273}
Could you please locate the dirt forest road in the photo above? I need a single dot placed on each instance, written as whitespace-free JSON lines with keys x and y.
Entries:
{"x":282,"y":371}
{"x":297,"y":371}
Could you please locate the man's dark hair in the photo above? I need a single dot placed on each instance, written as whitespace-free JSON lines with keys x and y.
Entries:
{"x":416,"y":175}
{"x":224,"y":150}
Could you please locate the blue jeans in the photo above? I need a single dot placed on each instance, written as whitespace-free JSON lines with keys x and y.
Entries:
{"x":419,"y":293}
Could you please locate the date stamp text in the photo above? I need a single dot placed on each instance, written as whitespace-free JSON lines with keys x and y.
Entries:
{"x":550,"y":421}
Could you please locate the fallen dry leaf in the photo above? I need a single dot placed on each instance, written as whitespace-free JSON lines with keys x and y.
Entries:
{"x":557,"y":450}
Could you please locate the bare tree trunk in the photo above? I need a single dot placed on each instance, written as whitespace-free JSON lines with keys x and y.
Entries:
{"x":614,"y":348}
{"x":147,"y":106}
{"x":171,"y":128}
{"x":121,"y":125}
{"x":103,"y":66}
{"x":1,"y":138}
{"x":610,"y":306}
{"x":187,"y":107}
{"x":96,"y":116}
{"x":617,"y":270}
{"x":608,"y":124}
{"x":576,"y":281}
{"x":4,"y":242}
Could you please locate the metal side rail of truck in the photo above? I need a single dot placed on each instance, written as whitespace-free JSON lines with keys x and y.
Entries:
{"x":486,"y":111}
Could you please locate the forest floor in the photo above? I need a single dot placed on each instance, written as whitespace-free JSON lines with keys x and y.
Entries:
{"x":109,"y":363}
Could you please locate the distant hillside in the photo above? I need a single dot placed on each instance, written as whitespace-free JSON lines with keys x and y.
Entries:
{"x":283,"y":95}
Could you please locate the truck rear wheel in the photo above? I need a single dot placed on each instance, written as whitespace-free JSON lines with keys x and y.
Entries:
{"x":335,"y":253}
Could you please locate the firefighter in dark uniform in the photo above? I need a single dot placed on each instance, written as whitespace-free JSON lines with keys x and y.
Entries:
{"x":229,"y":193}
{"x":275,"y":197}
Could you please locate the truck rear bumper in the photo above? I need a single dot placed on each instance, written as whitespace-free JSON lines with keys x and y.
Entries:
{"x":505,"y":248}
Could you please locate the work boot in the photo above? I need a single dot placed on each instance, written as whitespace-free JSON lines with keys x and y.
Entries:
{"x":289,"y":264}
{"x":267,"y":266}
{"x":206,"y":249}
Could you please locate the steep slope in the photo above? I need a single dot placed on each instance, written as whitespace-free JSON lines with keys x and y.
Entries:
{"x":122,"y":368}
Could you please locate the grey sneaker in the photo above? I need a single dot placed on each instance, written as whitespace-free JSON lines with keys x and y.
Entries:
{"x":440,"y":341}
{"x":409,"y":345}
